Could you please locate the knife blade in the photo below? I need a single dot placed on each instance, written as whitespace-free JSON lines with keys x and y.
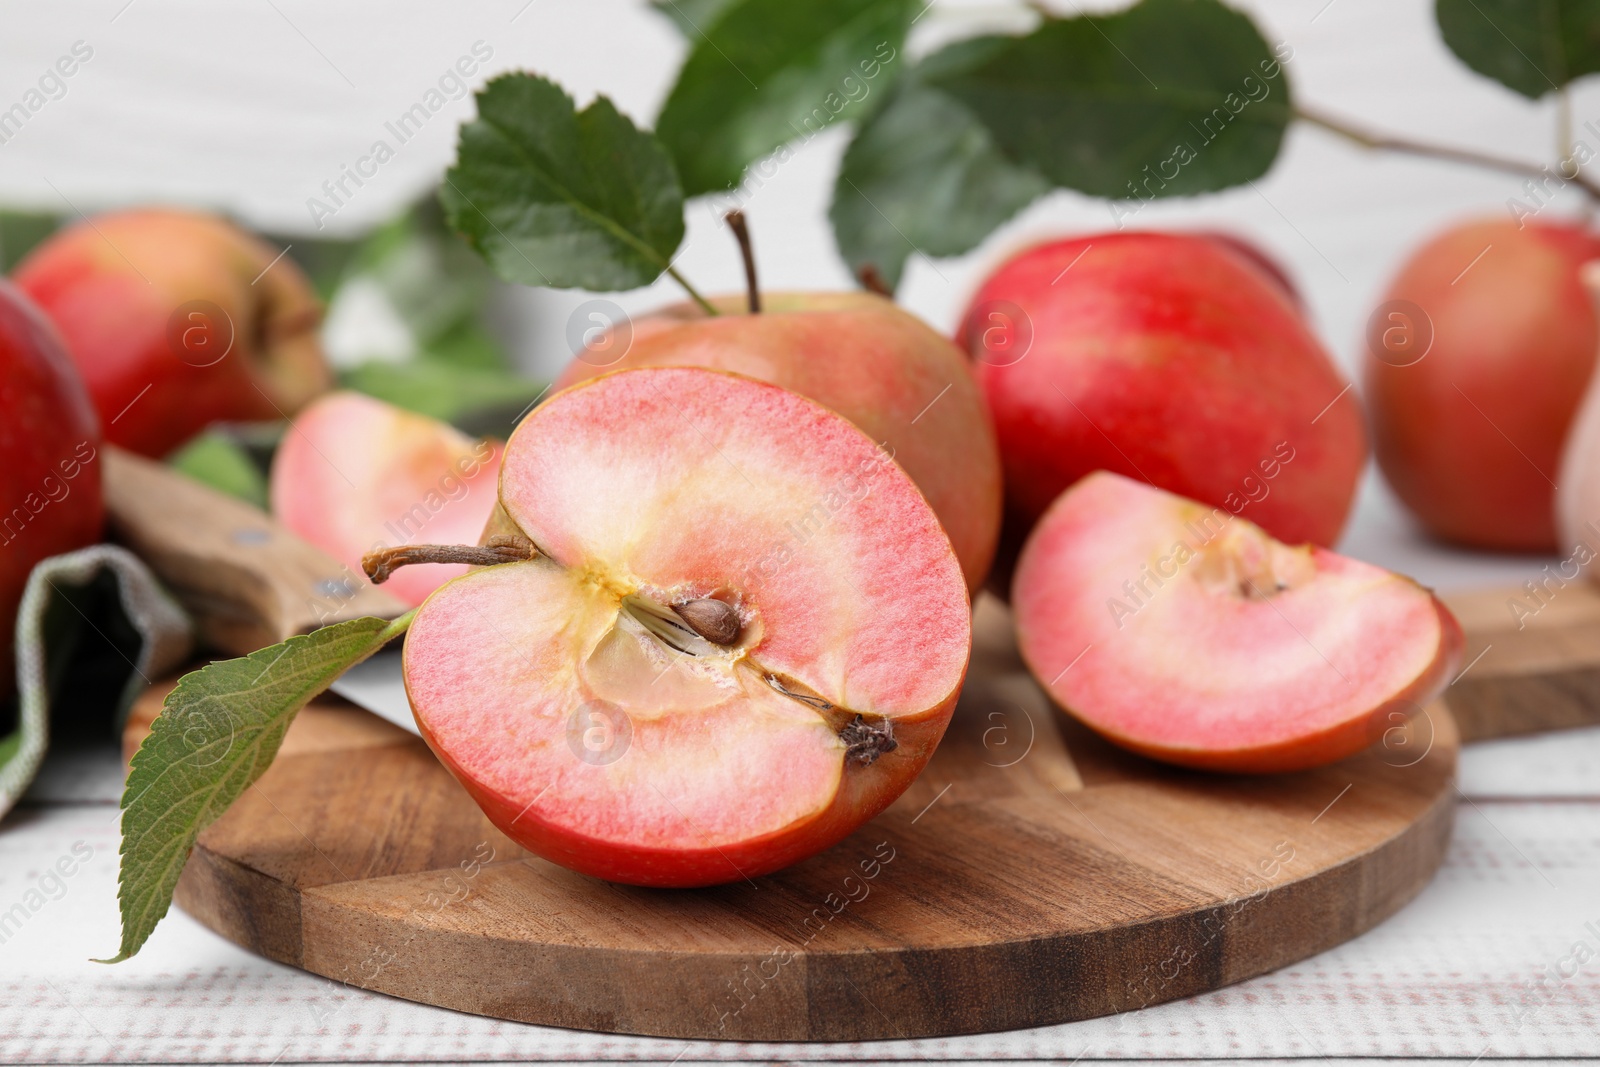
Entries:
{"x":378,"y":685}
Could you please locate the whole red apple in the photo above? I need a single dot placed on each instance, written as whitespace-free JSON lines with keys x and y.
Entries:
{"x":50,"y":499}
{"x":1475,"y":363}
{"x":881,"y":367}
{"x":177,"y":320}
{"x":741,"y":633}
{"x":1170,"y":359}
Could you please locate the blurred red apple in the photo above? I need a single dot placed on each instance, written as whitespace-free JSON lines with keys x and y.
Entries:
{"x":1475,"y":363}
{"x":1170,"y":359}
{"x":50,"y":498}
{"x":1259,"y":257}
{"x":177,"y":320}
{"x":355,"y":474}
{"x":880,"y":367}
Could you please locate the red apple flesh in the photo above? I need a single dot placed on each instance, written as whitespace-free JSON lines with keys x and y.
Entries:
{"x":355,"y":474}
{"x":1476,"y":361}
{"x":1166,"y":358}
{"x":1189,"y":635}
{"x":601,"y":735}
{"x":880,"y":367}
{"x":177,"y":320}
{"x":50,"y":500}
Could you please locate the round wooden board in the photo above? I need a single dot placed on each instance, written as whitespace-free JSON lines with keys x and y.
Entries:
{"x":1032,"y":875}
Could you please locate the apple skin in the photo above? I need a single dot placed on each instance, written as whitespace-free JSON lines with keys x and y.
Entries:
{"x":146,"y":299}
{"x":50,"y":498}
{"x":1167,"y":358}
{"x":1188,"y":635}
{"x":679,"y":483}
{"x":880,"y":367}
{"x":1260,"y":258}
{"x":1470,"y":435}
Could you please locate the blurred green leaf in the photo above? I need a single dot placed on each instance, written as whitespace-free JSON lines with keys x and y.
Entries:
{"x":770,"y":71}
{"x":325,"y":260}
{"x":434,"y":281}
{"x":693,"y":17}
{"x":1167,"y":98}
{"x":447,"y":391}
{"x":924,"y":175}
{"x":551,"y":195}
{"x":1531,"y":46}
{"x":215,"y":459}
{"x":20,"y":231}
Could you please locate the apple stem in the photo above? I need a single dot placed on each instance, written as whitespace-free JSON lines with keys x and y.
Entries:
{"x":381,"y":564}
{"x":741,"y":232}
{"x":694,"y":294}
{"x":872,"y":281}
{"x":1391,"y":143}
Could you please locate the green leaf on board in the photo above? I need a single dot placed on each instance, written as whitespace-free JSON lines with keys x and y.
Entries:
{"x":217,"y":460}
{"x":1531,"y":46}
{"x":924,"y":175}
{"x":768,"y":72}
{"x":1166,"y":98}
{"x":551,"y":195}
{"x":218,"y":731}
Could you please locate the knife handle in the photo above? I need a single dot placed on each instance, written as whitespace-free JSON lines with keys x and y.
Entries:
{"x":246,"y":581}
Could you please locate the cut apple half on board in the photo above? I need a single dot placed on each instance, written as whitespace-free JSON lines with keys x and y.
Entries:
{"x":1189,"y":635}
{"x":741,"y":635}
{"x":355,"y":474}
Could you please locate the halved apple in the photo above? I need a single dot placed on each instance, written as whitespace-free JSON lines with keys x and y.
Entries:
{"x":1188,"y":634}
{"x":354,"y":474}
{"x":741,"y":635}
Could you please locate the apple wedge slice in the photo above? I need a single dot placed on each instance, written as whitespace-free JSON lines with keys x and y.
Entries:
{"x":741,"y":634}
{"x":354,"y":474}
{"x":1189,"y":635}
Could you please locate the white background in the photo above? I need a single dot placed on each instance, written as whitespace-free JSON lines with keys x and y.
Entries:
{"x":250,"y":106}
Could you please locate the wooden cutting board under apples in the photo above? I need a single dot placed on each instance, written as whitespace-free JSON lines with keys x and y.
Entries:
{"x":793,"y":671}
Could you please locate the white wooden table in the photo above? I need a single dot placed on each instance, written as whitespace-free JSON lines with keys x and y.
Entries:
{"x":1485,"y":963}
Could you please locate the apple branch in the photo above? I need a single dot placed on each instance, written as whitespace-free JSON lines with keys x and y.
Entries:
{"x":1391,"y":143}
{"x":381,"y":564}
{"x":741,"y":232}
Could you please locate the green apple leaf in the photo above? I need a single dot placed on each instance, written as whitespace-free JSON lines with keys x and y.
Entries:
{"x":693,"y":17}
{"x":551,"y":195}
{"x":924,"y":175}
{"x":218,"y":731}
{"x":1531,"y":46}
{"x":767,"y":72}
{"x":217,"y":460}
{"x":443,"y":390}
{"x":1166,"y":98}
